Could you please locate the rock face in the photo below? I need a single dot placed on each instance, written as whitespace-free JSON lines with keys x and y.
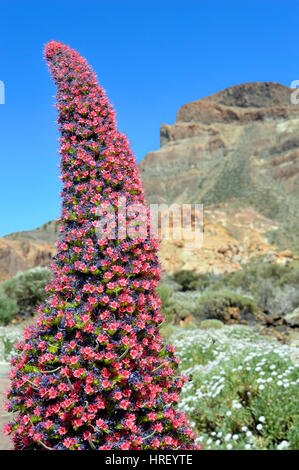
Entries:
{"x":237,"y":153}
{"x":24,"y":250}
{"x":240,"y":143}
{"x":292,"y":319}
{"x":231,"y":237}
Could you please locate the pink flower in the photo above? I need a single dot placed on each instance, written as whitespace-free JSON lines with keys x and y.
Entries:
{"x":125,"y":445}
{"x":101,"y":424}
{"x":158,"y":427}
{"x":48,"y":424}
{"x":67,"y":442}
{"x":78,"y":373}
{"x":7,"y":429}
{"x":52,"y":393}
{"x":86,"y":435}
{"x":66,"y":403}
{"x":125,"y":373}
{"x":156,"y":443}
{"x":88,"y":389}
{"x":134,"y":353}
{"x":114,"y":305}
{"x":102,"y":338}
{"x":118,"y":395}
{"x":101,"y":404}
{"x":110,"y":356}
{"x":106,"y":384}
{"x":124,"y":404}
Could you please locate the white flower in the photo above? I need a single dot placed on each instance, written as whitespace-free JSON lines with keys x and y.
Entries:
{"x":228,"y":413}
{"x":229,"y":447}
{"x":249,"y":433}
{"x":259,"y":427}
{"x":237,"y":405}
{"x":283,"y":445}
{"x":247,"y":446}
{"x":262,"y":419}
{"x":244,"y":428}
{"x":235,"y":437}
{"x":227,"y":437}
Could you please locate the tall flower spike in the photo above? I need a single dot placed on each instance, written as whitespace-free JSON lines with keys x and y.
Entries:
{"x":92,"y":373}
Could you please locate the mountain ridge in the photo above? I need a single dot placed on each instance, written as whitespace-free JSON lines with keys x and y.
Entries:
{"x":232,"y":144}
{"x":237,"y":153}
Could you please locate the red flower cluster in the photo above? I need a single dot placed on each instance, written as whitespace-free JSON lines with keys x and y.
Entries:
{"x":92,"y":373}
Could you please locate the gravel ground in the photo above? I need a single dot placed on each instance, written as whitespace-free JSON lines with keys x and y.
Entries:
{"x":5,"y":443}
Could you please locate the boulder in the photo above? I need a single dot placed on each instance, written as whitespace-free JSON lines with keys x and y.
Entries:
{"x":292,"y":319}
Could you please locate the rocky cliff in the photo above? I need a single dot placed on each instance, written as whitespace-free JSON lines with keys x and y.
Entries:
{"x":240,"y":143}
{"x":236,"y":152}
{"x":24,"y":250}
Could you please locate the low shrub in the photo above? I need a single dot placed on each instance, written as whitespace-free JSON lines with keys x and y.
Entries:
{"x":8,"y":308}
{"x":211,"y":324}
{"x":224,"y":305}
{"x":249,"y":279}
{"x":27,"y":289}
{"x":277,"y":301}
{"x":191,"y":281}
{"x":180,"y":305}
{"x":273,"y":287}
{"x":163,"y":291}
{"x":291,"y":277}
{"x":202,"y":282}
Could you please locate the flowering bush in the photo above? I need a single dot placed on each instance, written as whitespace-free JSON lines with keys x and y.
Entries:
{"x":244,"y":388}
{"x":93,"y":373}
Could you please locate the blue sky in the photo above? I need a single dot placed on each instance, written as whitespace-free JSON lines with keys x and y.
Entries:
{"x":151,"y":56}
